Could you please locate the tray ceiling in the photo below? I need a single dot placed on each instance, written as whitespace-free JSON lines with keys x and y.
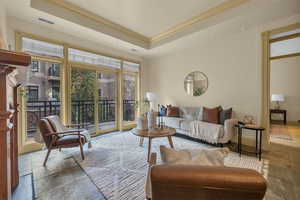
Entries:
{"x":147,"y":17}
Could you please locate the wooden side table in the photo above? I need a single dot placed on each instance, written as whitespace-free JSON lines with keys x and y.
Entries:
{"x":278,"y":111}
{"x":258,"y":135}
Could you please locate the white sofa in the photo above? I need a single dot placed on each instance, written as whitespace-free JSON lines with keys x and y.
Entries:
{"x":190,"y":124}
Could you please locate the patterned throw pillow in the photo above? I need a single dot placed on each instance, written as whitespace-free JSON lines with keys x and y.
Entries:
{"x":172,"y":111}
{"x":224,"y":115}
{"x":211,"y":115}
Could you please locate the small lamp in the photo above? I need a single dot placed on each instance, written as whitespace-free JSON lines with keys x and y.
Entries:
{"x":151,"y":97}
{"x":278,"y":98}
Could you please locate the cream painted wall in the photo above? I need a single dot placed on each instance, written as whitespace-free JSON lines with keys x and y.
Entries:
{"x":232,"y":63}
{"x":231,"y":67}
{"x":285,"y":80}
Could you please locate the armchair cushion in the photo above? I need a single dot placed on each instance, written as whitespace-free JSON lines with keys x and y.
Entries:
{"x":59,"y":127}
{"x":69,"y":140}
{"x":56,"y":123}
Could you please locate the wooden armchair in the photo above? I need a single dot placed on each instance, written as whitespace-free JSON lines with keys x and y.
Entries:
{"x":57,"y":140}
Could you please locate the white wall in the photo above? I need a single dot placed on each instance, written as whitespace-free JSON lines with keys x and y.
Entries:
{"x":232,"y":63}
{"x":285,"y":80}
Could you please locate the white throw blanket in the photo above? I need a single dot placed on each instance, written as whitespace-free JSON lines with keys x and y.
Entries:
{"x":207,"y":131}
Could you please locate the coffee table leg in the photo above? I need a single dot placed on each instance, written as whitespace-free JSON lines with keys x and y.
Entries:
{"x":149,"y":148}
{"x":141,"y":141}
{"x":170,"y":142}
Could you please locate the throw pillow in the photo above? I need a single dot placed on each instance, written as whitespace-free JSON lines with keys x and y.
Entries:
{"x":224,"y":115}
{"x":211,"y":115}
{"x":172,"y":111}
{"x":169,"y":155}
{"x":202,"y":157}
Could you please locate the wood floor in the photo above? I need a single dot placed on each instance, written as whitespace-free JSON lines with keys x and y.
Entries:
{"x":63,"y":179}
{"x":292,"y":130}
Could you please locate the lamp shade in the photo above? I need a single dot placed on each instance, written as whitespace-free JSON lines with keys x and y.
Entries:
{"x":151,"y":96}
{"x":277,"y":97}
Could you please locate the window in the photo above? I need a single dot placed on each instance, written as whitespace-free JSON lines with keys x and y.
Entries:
{"x":54,"y":70}
{"x":35,"y":66}
{"x":99,"y":91}
{"x":285,"y":47}
{"x":131,"y":67}
{"x":41,"y":48}
{"x":33,"y":93}
{"x":55,"y":93}
{"x":94,"y":59}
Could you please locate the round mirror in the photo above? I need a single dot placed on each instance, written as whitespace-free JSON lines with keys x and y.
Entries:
{"x":195,"y":83}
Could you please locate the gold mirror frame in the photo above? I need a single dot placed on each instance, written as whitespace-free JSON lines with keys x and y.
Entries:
{"x":195,"y":83}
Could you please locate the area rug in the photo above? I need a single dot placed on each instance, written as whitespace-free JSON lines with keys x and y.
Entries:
{"x":117,"y":165}
{"x":280,"y":132}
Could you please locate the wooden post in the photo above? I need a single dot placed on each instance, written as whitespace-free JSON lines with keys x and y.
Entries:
{"x":9,"y":175}
{"x":5,"y":162}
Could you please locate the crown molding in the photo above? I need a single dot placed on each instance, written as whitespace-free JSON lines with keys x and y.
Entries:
{"x":115,"y":30}
{"x":97,"y":18}
{"x":221,"y":8}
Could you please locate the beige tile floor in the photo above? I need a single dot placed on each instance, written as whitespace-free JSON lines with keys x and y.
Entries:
{"x":63,"y":179}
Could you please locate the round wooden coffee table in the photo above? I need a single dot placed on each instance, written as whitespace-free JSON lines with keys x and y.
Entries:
{"x":154,"y":133}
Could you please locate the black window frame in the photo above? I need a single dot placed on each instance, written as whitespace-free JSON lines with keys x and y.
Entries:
{"x":54,"y":70}
{"x":35,"y":67}
{"x":58,"y":92}
{"x":30,"y":89}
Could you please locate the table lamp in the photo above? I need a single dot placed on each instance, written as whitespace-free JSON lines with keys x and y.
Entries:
{"x":278,"y":98}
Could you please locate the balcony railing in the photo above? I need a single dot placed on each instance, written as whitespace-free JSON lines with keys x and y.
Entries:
{"x":82,"y":112}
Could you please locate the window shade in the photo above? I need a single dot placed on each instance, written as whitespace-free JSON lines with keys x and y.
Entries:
{"x":37,"y":47}
{"x":94,"y":59}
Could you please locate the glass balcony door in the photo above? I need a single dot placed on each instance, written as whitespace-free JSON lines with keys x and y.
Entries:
{"x":94,"y":99}
{"x":107,"y":101}
{"x":41,"y":97}
{"x":83,"y":99}
{"x":130,"y":92}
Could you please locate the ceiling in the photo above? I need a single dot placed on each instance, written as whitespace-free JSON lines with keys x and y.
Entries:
{"x":149,"y":18}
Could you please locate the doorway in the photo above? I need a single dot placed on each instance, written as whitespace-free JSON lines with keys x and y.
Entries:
{"x":284,"y":93}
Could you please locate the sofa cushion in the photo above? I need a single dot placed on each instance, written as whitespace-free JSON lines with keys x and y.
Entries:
{"x":224,"y":115}
{"x":202,"y":157}
{"x":172,"y":111}
{"x":211,"y":115}
{"x":185,"y":125}
{"x":191,"y":113}
{"x":173,"y":122}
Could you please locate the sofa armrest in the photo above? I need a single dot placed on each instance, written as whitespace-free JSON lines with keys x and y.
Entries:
{"x":229,"y":129}
{"x":201,"y":182}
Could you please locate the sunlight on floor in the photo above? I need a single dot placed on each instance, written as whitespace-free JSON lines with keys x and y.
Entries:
{"x":288,"y":135}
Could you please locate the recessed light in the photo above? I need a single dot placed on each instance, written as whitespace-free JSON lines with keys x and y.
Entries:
{"x":46,"y":21}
